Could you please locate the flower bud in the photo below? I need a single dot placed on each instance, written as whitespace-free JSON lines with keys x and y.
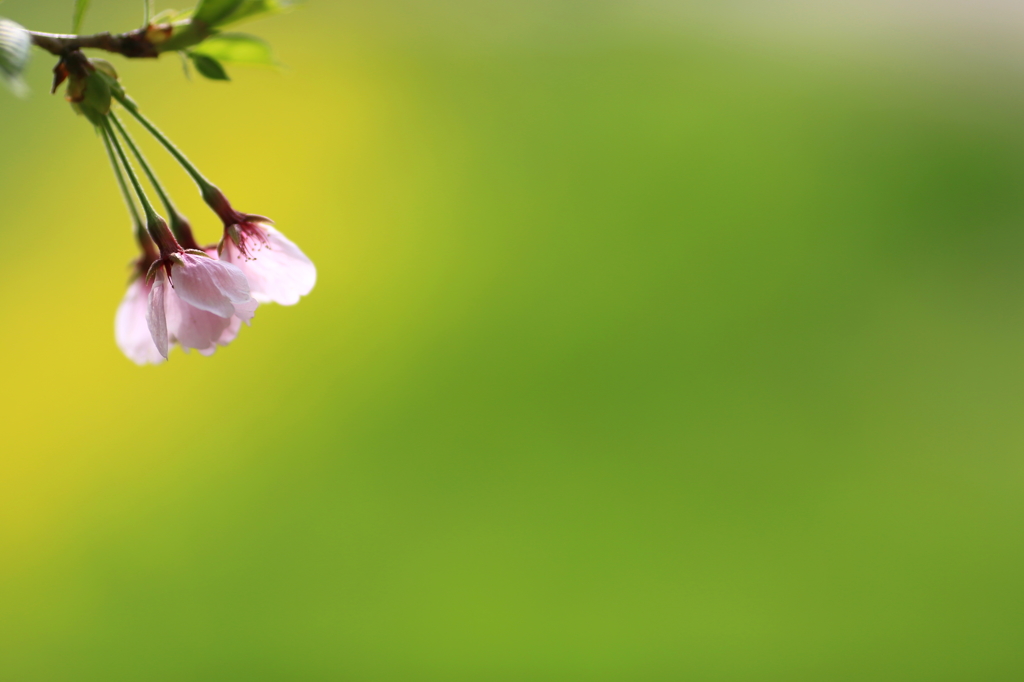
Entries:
{"x":161,"y":234}
{"x":216,"y":200}
{"x":157,"y":34}
{"x":89,"y":86}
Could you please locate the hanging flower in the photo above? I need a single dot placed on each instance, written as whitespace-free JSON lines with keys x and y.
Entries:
{"x":197,"y":302}
{"x":277,"y":270}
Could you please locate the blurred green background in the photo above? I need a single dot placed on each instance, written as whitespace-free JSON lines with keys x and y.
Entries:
{"x":652,"y":341}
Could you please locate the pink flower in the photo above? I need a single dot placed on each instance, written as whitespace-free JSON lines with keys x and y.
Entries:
{"x":197,"y":302}
{"x":130,"y":328}
{"x":277,"y":270}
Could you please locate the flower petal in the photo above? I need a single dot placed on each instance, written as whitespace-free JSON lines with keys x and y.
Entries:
{"x":192,"y":327}
{"x":210,"y":284}
{"x":246,"y":311}
{"x":230,"y":332}
{"x":131,"y":329}
{"x":156,"y":315}
{"x":277,"y":270}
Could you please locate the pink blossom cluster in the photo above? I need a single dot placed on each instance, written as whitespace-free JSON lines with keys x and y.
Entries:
{"x":198,"y":298}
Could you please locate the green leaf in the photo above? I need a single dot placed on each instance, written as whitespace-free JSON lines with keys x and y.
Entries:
{"x":209,"y":67}
{"x":212,"y":12}
{"x":212,"y":15}
{"x":76,"y":21}
{"x":169,"y":16}
{"x":15,"y":46}
{"x":220,"y":13}
{"x":254,"y":9}
{"x":237,"y":48}
{"x":147,"y":11}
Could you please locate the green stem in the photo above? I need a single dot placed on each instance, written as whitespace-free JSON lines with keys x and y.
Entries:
{"x":204,"y":184}
{"x":140,"y":228}
{"x":147,"y":206}
{"x":154,"y":222}
{"x":147,"y":169}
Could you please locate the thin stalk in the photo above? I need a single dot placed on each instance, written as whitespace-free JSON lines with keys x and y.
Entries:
{"x":204,"y":184}
{"x":153,"y":221}
{"x":180,"y":226}
{"x":147,"y":206}
{"x":147,"y":169}
{"x":140,"y":227}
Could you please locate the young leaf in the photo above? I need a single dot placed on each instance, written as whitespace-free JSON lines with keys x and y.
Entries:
{"x":169,"y":16}
{"x":209,"y":67}
{"x":219,"y":13}
{"x":15,"y":46}
{"x":212,"y":12}
{"x":253,"y":9}
{"x":237,"y":48}
{"x":76,"y":21}
{"x":210,"y":16}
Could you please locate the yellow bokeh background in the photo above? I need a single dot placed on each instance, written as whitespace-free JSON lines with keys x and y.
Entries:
{"x":651,"y":341}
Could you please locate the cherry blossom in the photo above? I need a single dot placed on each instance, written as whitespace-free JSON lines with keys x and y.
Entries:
{"x":277,"y":270}
{"x":197,"y":302}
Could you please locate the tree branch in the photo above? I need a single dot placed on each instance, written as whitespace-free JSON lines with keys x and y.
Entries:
{"x":146,"y":42}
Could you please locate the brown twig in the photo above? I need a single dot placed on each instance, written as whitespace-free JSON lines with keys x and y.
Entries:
{"x":143,"y":42}
{"x":131,"y":44}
